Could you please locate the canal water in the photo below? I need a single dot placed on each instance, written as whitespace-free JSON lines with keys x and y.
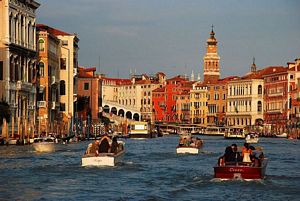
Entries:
{"x":150,"y":170}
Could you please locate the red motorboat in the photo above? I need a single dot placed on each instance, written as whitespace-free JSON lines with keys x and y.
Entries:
{"x":241,"y":170}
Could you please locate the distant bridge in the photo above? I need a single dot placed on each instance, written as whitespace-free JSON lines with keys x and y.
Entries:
{"x":121,"y":110}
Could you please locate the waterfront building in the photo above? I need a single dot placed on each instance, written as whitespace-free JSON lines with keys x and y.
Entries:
{"x":18,"y":63}
{"x":183,"y":106}
{"x":164,"y":99}
{"x":276,"y":98}
{"x":131,"y":98}
{"x":48,"y":95}
{"x":89,"y":95}
{"x":295,"y":103}
{"x":68,"y":72}
{"x":198,"y":104}
{"x":245,"y":100}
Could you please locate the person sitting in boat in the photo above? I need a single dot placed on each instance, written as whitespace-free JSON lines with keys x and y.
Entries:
{"x":104,"y":145}
{"x":236,"y":157}
{"x":246,"y":152}
{"x":93,"y":148}
{"x":114,"y":146}
{"x":227,"y":157}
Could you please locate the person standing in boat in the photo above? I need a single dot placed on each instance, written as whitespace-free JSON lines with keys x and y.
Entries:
{"x":236,"y":157}
{"x":246,"y":152}
{"x":104,"y":145}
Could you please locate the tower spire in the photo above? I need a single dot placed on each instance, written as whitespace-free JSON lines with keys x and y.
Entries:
{"x":253,"y":66}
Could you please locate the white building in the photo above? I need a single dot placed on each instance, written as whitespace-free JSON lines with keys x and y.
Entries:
{"x":18,"y":61}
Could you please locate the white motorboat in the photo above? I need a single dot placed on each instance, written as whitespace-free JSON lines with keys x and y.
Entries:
{"x":188,"y":145}
{"x":252,"y":138}
{"x":187,"y":150}
{"x":104,"y":159}
{"x":44,"y":144}
{"x":283,"y":135}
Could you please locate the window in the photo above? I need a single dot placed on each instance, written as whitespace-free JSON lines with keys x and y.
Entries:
{"x":62,"y":87}
{"x":63,"y":63}
{"x":86,"y":86}
{"x":41,"y":45}
{"x":41,"y":69}
{"x":62,"y":107}
{"x":259,"y":106}
{"x":259,"y":89}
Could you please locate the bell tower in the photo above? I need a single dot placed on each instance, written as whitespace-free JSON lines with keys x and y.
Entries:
{"x":211,"y":59}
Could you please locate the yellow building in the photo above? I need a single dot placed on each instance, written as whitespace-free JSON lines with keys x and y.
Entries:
{"x":198,"y":104}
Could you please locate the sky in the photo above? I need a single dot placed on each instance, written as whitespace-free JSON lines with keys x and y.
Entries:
{"x":150,"y":36}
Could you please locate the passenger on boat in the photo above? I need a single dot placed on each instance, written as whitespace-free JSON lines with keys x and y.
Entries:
{"x":114,"y":146}
{"x":93,"y":148}
{"x":104,"y":145}
{"x":246,"y":152}
{"x":236,"y":155}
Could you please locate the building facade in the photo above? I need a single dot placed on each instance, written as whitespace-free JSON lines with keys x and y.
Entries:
{"x":48,"y":94}
{"x":18,"y":62}
{"x":198,"y":104}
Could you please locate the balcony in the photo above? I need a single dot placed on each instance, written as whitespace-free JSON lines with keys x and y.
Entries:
{"x":24,"y":86}
{"x":274,"y":111}
{"x":276,"y":94}
{"x":41,"y":104}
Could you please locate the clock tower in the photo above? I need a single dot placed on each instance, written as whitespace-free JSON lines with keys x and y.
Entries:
{"x":211,"y":59}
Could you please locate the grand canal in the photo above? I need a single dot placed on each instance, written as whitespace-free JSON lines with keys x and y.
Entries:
{"x":151,"y":170}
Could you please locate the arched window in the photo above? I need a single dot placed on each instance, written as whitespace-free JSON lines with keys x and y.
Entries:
{"x":62,"y":87}
{"x":259,"y":89}
{"x":41,"y":69}
{"x":259,"y":106}
{"x":41,"y":45}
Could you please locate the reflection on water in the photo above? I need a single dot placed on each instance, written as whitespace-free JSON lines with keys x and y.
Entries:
{"x":150,"y":170}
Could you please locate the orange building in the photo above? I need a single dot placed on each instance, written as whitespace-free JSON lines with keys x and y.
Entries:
{"x":48,"y":94}
{"x":89,"y":94}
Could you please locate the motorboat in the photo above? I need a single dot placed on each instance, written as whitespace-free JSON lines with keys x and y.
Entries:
{"x":214,"y":130}
{"x":252,"y":138}
{"x":235,"y":133}
{"x":104,"y":159}
{"x":241,"y":170}
{"x":283,"y":135}
{"x":46,"y":144}
{"x":188,"y":145}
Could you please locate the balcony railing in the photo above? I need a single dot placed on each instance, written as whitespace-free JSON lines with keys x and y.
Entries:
{"x":41,"y":104}
{"x":276,"y":94}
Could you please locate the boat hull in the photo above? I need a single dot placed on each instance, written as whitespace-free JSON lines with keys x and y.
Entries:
{"x":104,"y":159}
{"x":141,"y":135}
{"x":187,"y":150}
{"x":252,"y":141}
{"x":240,"y":172}
{"x":44,"y":147}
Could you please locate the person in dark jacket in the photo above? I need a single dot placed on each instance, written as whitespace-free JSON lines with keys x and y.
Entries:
{"x":104,"y":145}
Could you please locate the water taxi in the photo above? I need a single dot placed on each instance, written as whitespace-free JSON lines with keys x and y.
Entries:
{"x":186,"y":128}
{"x":188,"y":144}
{"x":46,"y":144}
{"x":241,"y":170}
{"x":104,"y":159}
{"x":235,"y":133}
{"x":214,"y":130}
{"x":252,"y":138}
{"x":140,"y":129}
